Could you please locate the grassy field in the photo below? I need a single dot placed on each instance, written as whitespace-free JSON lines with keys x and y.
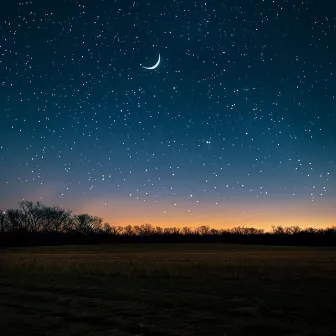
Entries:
{"x":168,"y":290}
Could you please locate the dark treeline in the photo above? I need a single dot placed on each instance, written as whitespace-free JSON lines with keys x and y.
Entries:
{"x":38,"y":224}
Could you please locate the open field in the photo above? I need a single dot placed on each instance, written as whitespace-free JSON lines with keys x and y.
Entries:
{"x":168,"y":290}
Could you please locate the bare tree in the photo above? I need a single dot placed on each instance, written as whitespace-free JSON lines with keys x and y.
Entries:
{"x":203,"y":230}
{"x":56,"y":218}
{"x":158,"y":230}
{"x":145,"y":230}
{"x":171,"y":231}
{"x":113,"y":229}
{"x":128,"y":230}
{"x":33,"y":214}
{"x":292,"y":230}
{"x":2,"y":214}
{"x":187,"y":231}
{"x":86,"y":224}
{"x":17,"y":220}
{"x":279,"y":230}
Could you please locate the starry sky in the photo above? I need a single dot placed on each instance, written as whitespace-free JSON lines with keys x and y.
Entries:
{"x":236,"y":126}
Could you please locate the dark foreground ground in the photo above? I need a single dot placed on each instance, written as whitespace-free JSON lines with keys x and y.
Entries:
{"x":168,"y":290}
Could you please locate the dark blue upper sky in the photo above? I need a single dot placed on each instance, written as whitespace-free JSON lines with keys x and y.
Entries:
{"x":240,"y":109}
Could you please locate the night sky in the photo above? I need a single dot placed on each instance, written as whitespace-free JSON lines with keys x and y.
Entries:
{"x":236,"y":126}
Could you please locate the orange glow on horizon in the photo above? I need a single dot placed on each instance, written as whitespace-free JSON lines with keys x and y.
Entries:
{"x":261,"y":215}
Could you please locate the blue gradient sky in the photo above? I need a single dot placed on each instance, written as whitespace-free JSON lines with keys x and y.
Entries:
{"x":235,"y":126}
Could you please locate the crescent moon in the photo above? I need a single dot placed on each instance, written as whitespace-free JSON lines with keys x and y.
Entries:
{"x":154,"y":66}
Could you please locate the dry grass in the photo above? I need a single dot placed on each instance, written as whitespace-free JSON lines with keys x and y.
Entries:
{"x":167,"y":290}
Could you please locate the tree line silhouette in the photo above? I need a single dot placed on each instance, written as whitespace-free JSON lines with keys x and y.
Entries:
{"x":34,"y":223}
